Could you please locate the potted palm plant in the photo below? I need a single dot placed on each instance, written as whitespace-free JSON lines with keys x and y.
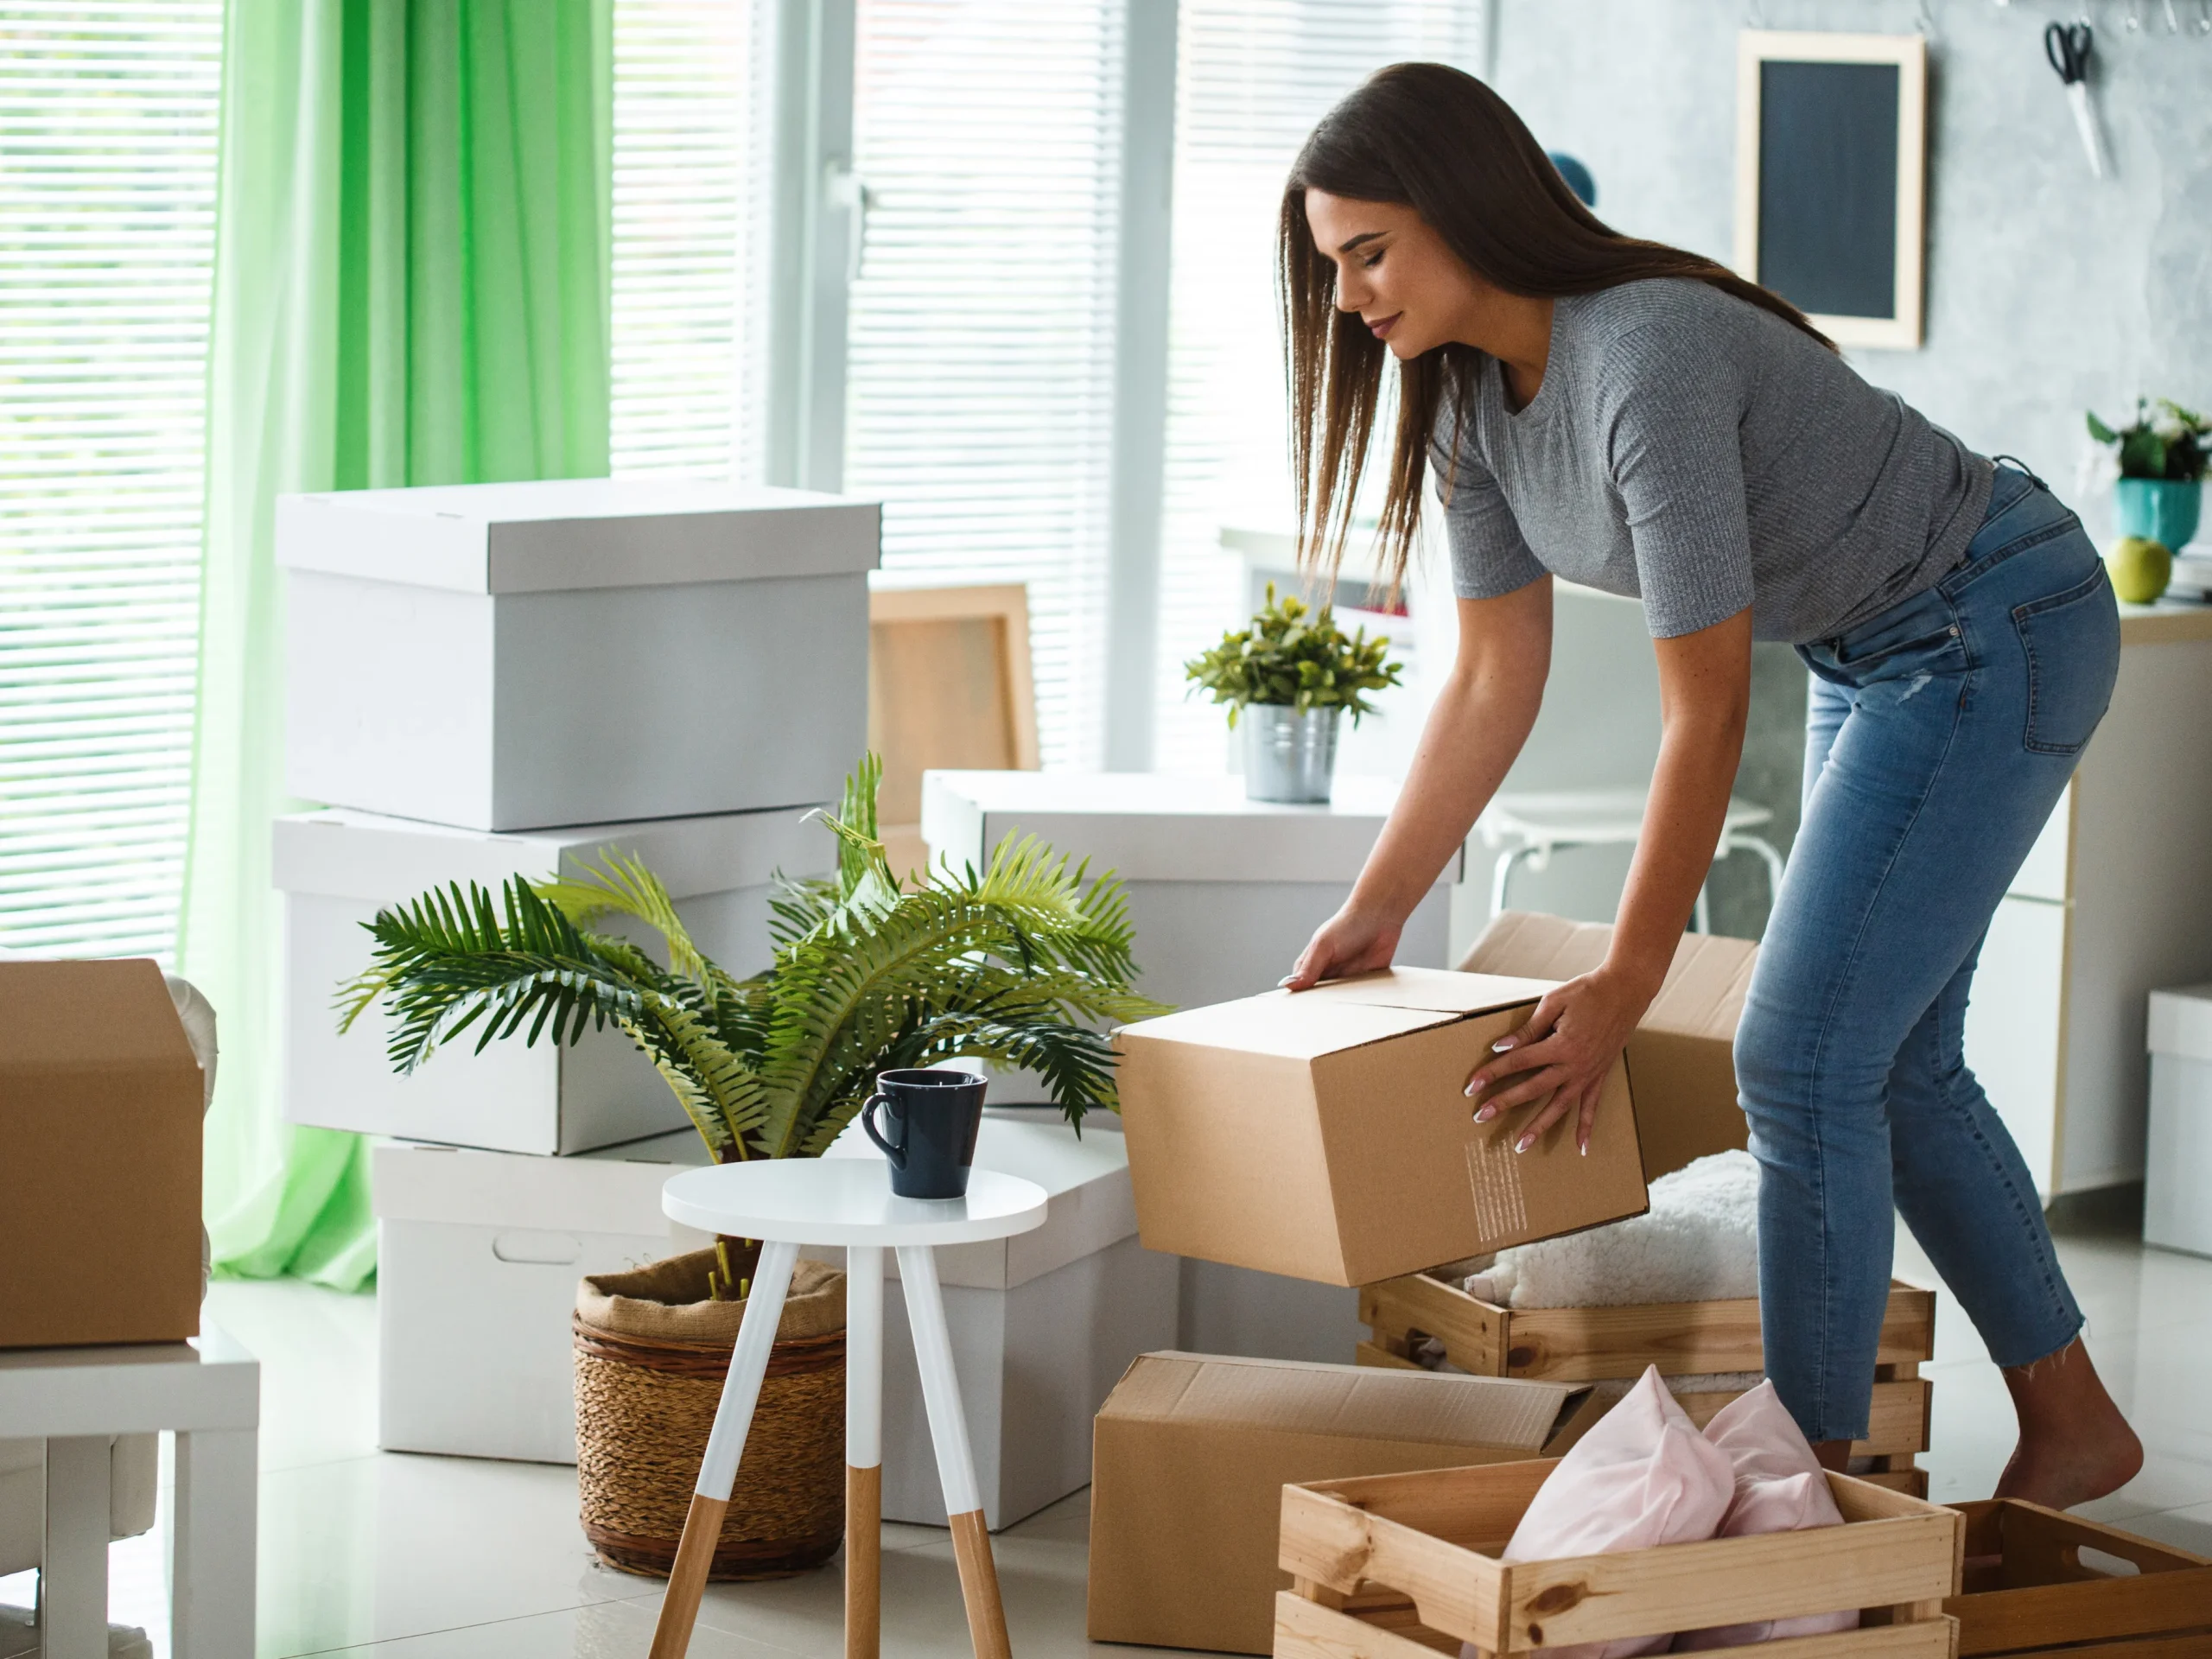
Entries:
{"x":1293,"y":674}
{"x":1022,"y":965}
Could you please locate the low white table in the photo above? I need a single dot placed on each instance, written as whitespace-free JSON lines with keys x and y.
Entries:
{"x":786,"y":1203}
{"x":207,"y":1392}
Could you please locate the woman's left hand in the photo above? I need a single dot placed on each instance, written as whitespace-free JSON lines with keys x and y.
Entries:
{"x":1567,"y":1051}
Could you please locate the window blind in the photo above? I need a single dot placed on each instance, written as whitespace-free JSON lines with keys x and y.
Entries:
{"x":691,"y":182}
{"x":979,"y":387}
{"x":108,"y":121}
{"x":1253,"y":76}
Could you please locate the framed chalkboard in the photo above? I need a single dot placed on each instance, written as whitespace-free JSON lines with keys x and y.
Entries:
{"x":1831,"y":157}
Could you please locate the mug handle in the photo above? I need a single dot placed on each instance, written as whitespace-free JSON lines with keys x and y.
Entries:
{"x":896,"y":1155}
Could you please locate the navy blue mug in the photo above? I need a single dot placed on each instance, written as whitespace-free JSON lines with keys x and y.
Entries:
{"x":932,"y":1114}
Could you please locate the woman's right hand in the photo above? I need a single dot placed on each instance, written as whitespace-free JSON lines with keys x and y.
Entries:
{"x":1350,"y":942}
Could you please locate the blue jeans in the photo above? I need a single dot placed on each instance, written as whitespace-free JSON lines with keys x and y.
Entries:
{"x":1940,"y":736}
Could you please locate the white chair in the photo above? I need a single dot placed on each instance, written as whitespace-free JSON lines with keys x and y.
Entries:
{"x":1528,"y":827}
{"x":788,"y":1202}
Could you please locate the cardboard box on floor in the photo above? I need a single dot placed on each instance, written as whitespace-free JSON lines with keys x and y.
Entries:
{"x":99,"y":1157}
{"x":1681,"y":1061}
{"x":1326,"y":1135}
{"x":1191,"y":1454}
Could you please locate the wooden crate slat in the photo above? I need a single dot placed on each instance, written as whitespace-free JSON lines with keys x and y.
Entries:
{"x":1304,"y":1630}
{"x":1730,"y":1580}
{"x":1368,"y":1353}
{"x":1583,"y":1344}
{"x":1913,"y":1483}
{"x":1471,"y":1507}
{"x":2049,"y":1597}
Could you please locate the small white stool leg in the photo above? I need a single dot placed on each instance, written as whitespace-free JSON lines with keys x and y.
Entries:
{"x":73,"y":1568}
{"x":864,"y":1451}
{"x":956,"y":1463}
{"x":212,"y":1544}
{"x":702,"y":1526}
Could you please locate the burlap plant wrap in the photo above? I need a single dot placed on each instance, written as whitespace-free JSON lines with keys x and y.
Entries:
{"x":652,"y":1353}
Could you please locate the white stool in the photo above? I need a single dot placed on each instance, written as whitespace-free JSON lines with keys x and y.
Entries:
{"x":208,"y":1391}
{"x":1541,"y":822}
{"x":786,"y":1203}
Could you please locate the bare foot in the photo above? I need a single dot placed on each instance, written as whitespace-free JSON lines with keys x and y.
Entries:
{"x":2074,"y":1445}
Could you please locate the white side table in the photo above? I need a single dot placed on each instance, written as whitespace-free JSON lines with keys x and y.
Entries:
{"x":786,"y":1202}
{"x":208,"y":1392}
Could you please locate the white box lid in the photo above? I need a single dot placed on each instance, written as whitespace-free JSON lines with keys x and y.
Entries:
{"x":1155,"y":827}
{"x":617,"y":1190}
{"x":577,"y":532}
{"x":344,"y":853}
{"x":2181,"y":1022}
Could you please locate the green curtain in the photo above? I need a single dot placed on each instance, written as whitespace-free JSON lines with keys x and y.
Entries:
{"x":411,"y":278}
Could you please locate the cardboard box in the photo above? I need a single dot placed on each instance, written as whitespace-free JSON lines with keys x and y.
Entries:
{"x":575,"y":650}
{"x":337,"y":868}
{"x":1326,"y":1135}
{"x":1192,"y":1451}
{"x":100,"y":1108}
{"x":1043,"y":1326}
{"x":1681,"y":1060}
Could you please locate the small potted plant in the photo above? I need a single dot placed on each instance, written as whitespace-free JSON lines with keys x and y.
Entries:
{"x":1291,"y":674}
{"x":2163,"y":455}
{"x":1020,"y":965}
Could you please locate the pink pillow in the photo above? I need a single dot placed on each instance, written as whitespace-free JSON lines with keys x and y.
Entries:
{"x":1779,"y":1488}
{"x":1642,"y":1478}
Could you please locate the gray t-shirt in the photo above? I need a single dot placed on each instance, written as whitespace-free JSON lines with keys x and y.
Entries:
{"x":1691,"y":450}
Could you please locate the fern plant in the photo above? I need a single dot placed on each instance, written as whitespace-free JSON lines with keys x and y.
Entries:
{"x":1020,"y":966}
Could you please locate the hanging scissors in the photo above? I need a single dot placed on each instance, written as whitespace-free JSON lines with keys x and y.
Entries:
{"x":2068,"y":47}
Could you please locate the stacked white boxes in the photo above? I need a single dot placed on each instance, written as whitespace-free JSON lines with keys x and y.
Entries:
{"x":500,"y":679}
{"x":2177,"y":1195}
{"x":1223,"y":892}
{"x":480,"y":1253}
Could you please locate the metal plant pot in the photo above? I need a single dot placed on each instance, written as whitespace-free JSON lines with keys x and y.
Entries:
{"x":1289,"y":755}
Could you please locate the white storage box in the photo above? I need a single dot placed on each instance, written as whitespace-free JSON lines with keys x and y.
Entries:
{"x":578,"y":650}
{"x":336,"y":868}
{"x":478,"y":1255}
{"x":1043,"y":1325}
{"x":1224,"y":892}
{"x":2177,"y":1187}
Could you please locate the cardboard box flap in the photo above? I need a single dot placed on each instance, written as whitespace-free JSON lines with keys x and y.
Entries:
{"x":1342,"y":1401}
{"x":1303,"y":1027}
{"x":1428,"y":989}
{"x":1702,"y":994}
{"x":95,"y":1016}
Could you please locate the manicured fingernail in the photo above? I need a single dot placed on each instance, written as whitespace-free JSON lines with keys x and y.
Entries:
{"x":1524,"y":1143}
{"x":1583,"y":1148}
{"x":1485,"y":1115}
{"x":1500,"y":1045}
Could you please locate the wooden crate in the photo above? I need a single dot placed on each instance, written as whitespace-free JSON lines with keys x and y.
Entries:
{"x":1392,"y":1567}
{"x":2028,"y":1590}
{"x":1590,"y":1344}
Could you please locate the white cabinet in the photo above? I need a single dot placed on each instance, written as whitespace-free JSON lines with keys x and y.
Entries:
{"x":2114,"y":900}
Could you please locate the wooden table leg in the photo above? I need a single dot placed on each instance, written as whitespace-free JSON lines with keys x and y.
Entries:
{"x":955,"y":1464}
{"x":702,"y":1526}
{"x":863,"y":1451}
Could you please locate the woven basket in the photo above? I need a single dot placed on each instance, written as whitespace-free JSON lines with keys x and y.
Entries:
{"x":652,"y":1353}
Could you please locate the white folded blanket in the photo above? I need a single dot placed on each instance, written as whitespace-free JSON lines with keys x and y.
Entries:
{"x":1699,"y":1243}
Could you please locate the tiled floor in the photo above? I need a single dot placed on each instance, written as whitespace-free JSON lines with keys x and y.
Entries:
{"x":379,"y":1556}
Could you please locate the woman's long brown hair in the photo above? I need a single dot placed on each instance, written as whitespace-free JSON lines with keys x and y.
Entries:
{"x":1439,"y":140}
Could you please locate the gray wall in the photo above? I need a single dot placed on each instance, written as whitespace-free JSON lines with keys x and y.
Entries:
{"x":2047,"y":291}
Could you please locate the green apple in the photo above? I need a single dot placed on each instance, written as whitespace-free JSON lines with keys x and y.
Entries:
{"x":2140,"y":568}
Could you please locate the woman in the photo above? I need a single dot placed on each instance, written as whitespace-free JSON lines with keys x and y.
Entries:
{"x":1640,"y":420}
